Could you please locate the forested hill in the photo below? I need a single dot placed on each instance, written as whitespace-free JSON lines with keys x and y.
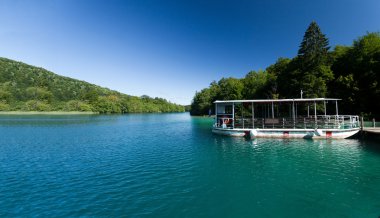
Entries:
{"x":351,"y":73}
{"x":27,"y":88}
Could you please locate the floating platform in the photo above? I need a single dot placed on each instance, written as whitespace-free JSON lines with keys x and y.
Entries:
{"x":283,"y":118}
{"x":289,"y":133}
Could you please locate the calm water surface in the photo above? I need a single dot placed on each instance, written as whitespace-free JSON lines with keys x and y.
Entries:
{"x":170,"y":165}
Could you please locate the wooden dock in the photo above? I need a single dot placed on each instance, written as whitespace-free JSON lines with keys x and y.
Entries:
{"x":372,"y":131}
{"x":375,"y":130}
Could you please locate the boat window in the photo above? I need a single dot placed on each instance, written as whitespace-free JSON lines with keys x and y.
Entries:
{"x":228,"y":109}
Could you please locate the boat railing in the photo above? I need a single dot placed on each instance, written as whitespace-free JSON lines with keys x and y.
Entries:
{"x":224,"y":121}
{"x":310,"y":122}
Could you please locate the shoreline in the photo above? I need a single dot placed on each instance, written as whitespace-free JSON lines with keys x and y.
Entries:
{"x":203,"y":116}
{"x":47,"y":113}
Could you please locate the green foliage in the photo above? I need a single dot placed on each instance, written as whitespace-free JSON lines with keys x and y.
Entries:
{"x":4,"y":106}
{"x":36,"y":105}
{"x":278,"y":73}
{"x":202,"y":102}
{"x":314,"y":47}
{"x":5,"y":96}
{"x":108,"y":104}
{"x":255,"y":85}
{"x":230,"y":88}
{"x":308,"y":71}
{"x":313,"y":66}
{"x":351,"y":73}
{"x":24,"y":87}
{"x":357,"y":69}
{"x":75,"y":105}
{"x":91,"y":95}
{"x":38,"y":93}
{"x":187,"y":108}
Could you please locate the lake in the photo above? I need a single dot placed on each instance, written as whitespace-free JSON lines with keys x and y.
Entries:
{"x":171,"y":165}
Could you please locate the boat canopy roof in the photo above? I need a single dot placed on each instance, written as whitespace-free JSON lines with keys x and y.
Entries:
{"x":278,"y":100}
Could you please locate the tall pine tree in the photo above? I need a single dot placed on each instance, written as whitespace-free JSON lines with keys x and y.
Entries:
{"x":313,"y":63}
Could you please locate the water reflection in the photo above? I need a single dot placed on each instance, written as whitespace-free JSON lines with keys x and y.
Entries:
{"x":53,"y":120}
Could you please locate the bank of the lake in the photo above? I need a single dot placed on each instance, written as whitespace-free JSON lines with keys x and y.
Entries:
{"x":171,"y":165}
{"x":46,"y":112}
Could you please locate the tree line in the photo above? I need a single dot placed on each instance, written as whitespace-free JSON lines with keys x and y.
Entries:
{"x":27,"y":88}
{"x":351,"y":73}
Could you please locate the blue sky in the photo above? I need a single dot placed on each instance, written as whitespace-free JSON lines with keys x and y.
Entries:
{"x":172,"y":48}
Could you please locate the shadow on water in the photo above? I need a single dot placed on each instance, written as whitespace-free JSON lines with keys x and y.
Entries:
{"x":371,"y":145}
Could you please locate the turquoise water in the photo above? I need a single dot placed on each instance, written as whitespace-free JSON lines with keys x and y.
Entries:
{"x":170,"y":165}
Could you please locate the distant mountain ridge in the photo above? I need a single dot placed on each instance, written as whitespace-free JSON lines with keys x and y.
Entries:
{"x":28,"y":88}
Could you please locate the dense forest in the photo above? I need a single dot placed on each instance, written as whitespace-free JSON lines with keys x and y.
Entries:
{"x":28,"y":88}
{"x":351,"y":73}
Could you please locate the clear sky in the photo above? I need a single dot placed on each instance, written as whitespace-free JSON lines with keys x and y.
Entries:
{"x":171,"y":48}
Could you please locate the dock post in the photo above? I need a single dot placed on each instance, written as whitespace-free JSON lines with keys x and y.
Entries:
{"x":242,"y":114}
{"x":253,"y":116}
{"x":374,"y":122}
{"x":216,"y":114}
{"x":304,"y":123}
{"x":233,"y":115}
{"x":294,"y":116}
{"x":315,"y":115}
{"x":361,"y":123}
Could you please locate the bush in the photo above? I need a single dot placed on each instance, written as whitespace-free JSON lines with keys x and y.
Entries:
{"x":34,"y":105}
{"x":4,"y":106}
{"x":75,"y":105}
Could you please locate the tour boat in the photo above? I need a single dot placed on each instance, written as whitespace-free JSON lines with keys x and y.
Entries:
{"x":284,"y":118}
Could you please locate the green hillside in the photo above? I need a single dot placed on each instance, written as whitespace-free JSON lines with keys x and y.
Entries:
{"x":27,"y":88}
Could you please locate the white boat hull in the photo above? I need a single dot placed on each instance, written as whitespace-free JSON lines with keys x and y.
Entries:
{"x":288,"y":133}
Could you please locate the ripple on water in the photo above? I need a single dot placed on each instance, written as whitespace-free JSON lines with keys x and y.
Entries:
{"x":171,"y":165}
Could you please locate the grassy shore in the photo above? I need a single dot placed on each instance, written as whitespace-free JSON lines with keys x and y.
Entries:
{"x":46,"y":112}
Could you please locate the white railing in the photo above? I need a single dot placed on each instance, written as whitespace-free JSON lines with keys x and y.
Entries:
{"x":320,"y":122}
